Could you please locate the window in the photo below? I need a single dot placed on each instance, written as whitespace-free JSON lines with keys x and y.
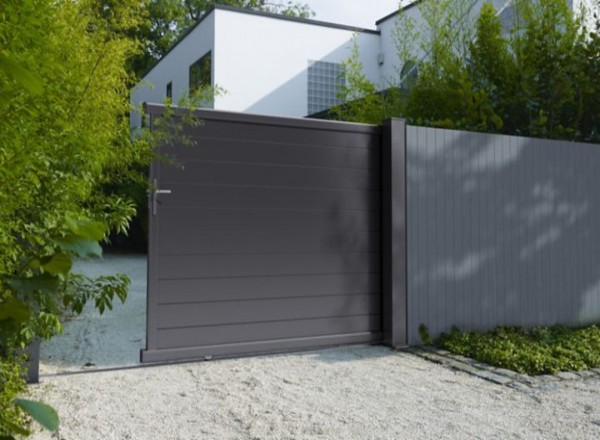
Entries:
{"x":409,"y":74}
{"x":201,"y":72}
{"x":169,"y":92}
{"x":325,"y":82}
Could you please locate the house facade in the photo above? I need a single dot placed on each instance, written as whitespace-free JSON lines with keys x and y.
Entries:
{"x":277,"y":65}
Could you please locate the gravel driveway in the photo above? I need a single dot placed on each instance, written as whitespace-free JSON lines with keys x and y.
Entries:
{"x":347,"y":393}
{"x":111,"y":340}
{"x":358,"y":392}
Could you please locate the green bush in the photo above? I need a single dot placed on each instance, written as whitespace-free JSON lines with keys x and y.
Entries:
{"x":539,"y":350}
{"x":64,"y":136}
{"x":538,"y":78}
{"x":12,"y":418}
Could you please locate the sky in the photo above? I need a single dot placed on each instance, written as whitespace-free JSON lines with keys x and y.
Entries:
{"x":360,"y":13}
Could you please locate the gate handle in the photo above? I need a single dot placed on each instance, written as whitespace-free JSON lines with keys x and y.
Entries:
{"x":155,"y":193}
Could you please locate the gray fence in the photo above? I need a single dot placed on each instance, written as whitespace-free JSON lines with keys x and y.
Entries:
{"x":501,"y":231}
{"x":282,"y":233}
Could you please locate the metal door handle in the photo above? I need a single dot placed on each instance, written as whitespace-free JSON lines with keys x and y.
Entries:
{"x":155,"y":193}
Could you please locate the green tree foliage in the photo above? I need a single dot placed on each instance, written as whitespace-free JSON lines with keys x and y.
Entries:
{"x":168,"y":20}
{"x":538,"y":77}
{"x":64,"y":134}
{"x":363,"y":102}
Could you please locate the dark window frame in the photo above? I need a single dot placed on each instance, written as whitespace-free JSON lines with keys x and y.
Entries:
{"x":200,"y":72}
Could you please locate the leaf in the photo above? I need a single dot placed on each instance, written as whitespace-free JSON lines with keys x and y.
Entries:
{"x":83,"y":247}
{"x":24,"y":77}
{"x":45,"y":283}
{"x":59,"y":264}
{"x":87,"y":229}
{"x":44,"y":414}
{"x":14,"y":309}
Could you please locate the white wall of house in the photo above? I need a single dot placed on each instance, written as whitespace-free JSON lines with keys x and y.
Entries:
{"x":174,"y":67}
{"x":391,"y":68}
{"x":262,"y":61}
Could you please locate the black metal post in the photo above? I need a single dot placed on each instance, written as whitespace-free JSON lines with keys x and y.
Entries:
{"x":393,"y":171}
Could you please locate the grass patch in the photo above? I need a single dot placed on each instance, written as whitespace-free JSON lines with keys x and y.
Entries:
{"x":539,"y":350}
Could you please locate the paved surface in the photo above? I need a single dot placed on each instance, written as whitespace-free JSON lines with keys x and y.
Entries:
{"x":501,"y":376}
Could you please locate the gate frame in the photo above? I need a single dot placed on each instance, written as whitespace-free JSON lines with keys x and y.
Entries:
{"x":394,"y":301}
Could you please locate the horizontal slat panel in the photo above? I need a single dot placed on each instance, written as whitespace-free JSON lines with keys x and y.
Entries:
{"x":178,"y":242}
{"x":283,"y":135}
{"x":227,"y":220}
{"x":189,"y":337}
{"x":250,"y":348}
{"x":264,"y":175}
{"x":202,"y":114}
{"x":270,"y":239}
{"x":244,"y":312}
{"x":248,"y":151}
{"x":210,"y":266}
{"x":280,"y":198}
{"x":226,"y":289}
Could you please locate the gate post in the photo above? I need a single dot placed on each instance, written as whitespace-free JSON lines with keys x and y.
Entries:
{"x":394,"y":288}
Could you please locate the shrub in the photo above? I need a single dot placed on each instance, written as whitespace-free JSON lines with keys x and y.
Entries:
{"x":12,"y":418}
{"x":539,"y":350}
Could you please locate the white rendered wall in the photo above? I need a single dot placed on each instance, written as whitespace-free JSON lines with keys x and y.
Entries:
{"x":262,"y":62}
{"x":174,"y":68}
{"x":390,"y":70}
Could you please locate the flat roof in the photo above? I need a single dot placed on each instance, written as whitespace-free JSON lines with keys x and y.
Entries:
{"x":295,"y":19}
{"x":393,"y":14}
{"x":262,"y":14}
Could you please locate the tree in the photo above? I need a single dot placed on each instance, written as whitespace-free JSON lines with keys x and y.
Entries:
{"x":538,"y":77}
{"x":64,"y":134}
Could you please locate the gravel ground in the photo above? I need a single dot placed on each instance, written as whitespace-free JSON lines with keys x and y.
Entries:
{"x":111,"y":340}
{"x":351,"y":393}
{"x":356,"y":392}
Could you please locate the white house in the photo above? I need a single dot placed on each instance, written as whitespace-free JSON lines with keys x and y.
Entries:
{"x":266,"y":63}
{"x":278,"y":65}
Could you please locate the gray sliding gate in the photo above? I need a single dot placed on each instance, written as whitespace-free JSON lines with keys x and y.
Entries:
{"x":267,"y":237}
{"x":289,"y":233}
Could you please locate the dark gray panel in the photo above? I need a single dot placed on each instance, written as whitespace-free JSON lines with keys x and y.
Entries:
{"x":502,"y":231}
{"x":413,"y":188}
{"x":257,"y":347}
{"x":394,"y":232}
{"x":227,"y":334}
{"x":266,"y":310}
{"x":269,"y":238}
{"x":247,"y":151}
{"x":217,"y":173}
{"x":212,"y":129}
{"x":276,"y":220}
{"x":227,"y":289}
{"x":181,"y":242}
{"x":240,"y":197}
{"x":158,"y":110}
{"x":210,"y":266}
